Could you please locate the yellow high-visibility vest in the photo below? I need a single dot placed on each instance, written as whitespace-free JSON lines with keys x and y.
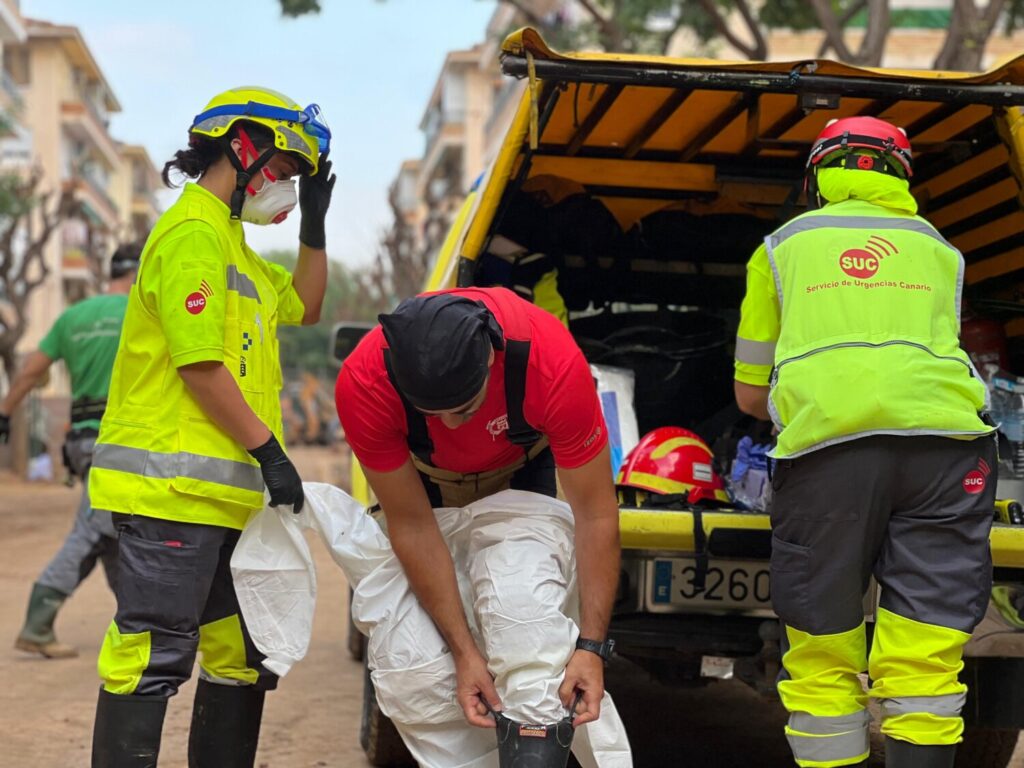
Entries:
{"x":201,"y":295}
{"x":863,"y":332}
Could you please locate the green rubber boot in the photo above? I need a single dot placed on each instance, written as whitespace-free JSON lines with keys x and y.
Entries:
{"x":37,"y":635}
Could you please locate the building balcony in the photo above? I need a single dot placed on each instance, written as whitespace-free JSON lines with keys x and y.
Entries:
{"x":82,"y":121}
{"x":12,"y":30}
{"x":15,"y":146}
{"x":443,"y":152}
{"x":12,"y":101}
{"x":99,"y":206}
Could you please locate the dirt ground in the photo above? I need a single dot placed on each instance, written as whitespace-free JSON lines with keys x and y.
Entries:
{"x":312,"y":720}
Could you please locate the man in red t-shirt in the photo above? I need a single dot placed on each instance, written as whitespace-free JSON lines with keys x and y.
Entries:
{"x":458,"y":395}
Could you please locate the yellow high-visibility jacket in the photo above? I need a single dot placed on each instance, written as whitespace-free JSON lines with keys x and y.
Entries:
{"x":201,"y":295}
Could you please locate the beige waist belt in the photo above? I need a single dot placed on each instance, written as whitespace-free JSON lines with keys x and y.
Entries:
{"x":446,"y":477}
{"x":459,"y":489}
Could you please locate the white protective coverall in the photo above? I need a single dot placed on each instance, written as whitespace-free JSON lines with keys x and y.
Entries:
{"x":513,"y":555}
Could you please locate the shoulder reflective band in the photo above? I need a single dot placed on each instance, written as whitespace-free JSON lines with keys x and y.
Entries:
{"x":809,"y":223}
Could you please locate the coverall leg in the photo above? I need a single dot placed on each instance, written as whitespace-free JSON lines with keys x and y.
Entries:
{"x":896,"y":507}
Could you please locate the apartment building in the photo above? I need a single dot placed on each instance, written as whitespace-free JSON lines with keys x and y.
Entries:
{"x":67,"y":102}
{"x":55,"y":109}
{"x":15,"y":136}
{"x":135,"y":190}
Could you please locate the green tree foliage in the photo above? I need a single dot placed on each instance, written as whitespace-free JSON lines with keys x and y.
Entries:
{"x":648,"y":26}
{"x":299,"y":7}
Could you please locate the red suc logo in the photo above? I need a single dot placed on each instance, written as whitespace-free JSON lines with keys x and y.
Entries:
{"x":195,"y":302}
{"x":864,"y":262}
{"x":974,"y":481}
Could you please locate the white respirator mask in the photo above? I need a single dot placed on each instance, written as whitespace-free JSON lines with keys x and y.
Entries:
{"x":272,"y":203}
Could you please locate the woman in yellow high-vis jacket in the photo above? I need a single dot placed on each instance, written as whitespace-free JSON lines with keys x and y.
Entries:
{"x":190,"y":438}
{"x":884,"y":465}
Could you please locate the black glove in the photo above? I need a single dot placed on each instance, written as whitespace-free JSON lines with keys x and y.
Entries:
{"x":5,"y":427}
{"x":314,"y":200}
{"x":279,"y":474}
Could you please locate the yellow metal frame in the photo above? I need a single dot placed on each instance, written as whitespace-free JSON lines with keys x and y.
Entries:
{"x":673,"y":531}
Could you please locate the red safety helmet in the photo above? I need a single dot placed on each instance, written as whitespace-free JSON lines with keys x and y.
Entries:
{"x":864,"y":133}
{"x":673,"y":460}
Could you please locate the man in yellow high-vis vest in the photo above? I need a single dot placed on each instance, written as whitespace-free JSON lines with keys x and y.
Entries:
{"x":848,"y":340}
{"x":189,"y":441}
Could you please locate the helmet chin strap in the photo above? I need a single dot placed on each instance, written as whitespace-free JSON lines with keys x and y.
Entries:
{"x":243,"y":174}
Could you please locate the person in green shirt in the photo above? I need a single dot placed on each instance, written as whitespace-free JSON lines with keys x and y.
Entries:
{"x":85,"y":337}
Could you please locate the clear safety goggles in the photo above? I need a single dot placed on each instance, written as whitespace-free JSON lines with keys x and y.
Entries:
{"x":311,"y":118}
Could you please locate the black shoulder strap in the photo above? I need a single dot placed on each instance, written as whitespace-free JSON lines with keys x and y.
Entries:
{"x":517,"y":355}
{"x":420,"y":443}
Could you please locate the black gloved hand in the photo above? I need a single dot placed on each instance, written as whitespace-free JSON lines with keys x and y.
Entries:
{"x":314,"y":200}
{"x":5,"y":428}
{"x":279,"y":474}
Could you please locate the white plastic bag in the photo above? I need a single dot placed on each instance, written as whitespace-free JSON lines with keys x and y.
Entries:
{"x":273,"y":571}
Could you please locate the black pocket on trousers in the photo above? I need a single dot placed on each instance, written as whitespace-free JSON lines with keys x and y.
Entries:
{"x":157,"y":584}
{"x":790,"y":570}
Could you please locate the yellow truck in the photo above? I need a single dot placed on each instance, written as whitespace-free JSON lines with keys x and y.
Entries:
{"x":656,"y":178}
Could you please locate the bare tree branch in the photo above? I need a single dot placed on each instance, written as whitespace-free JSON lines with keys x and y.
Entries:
{"x":612,"y":37}
{"x":757,"y":50}
{"x":833,"y":30}
{"x":528,"y":13}
{"x":969,"y":31}
{"x":24,"y":269}
{"x":872,"y":46}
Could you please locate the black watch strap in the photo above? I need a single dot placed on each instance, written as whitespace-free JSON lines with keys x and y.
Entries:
{"x":604,"y":650}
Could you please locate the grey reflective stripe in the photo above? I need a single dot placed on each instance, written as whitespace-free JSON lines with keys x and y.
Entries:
{"x":810,"y":223}
{"x":165,"y":466}
{"x":872,"y":345}
{"x":242,"y":283}
{"x":940,"y":706}
{"x":773,"y":412}
{"x":825,"y":726}
{"x":850,"y":745}
{"x":770,"y":251}
{"x":755,"y":352}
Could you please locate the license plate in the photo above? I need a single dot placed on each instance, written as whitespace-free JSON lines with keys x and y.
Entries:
{"x":732,"y":584}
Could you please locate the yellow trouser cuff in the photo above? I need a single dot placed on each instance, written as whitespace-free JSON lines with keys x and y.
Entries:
{"x":924,"y":728}
{"x":833,"y":763}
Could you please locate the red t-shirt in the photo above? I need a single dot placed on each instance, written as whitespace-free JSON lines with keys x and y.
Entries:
{"x":561,"y":401}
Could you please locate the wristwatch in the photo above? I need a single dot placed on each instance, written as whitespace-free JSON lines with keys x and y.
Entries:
{"x":604,"y":650}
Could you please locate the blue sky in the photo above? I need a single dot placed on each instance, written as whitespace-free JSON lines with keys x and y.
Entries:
{"x":371,"y":67}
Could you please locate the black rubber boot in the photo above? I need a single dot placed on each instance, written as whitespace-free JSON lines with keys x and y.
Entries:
{"x":37,"y":634}
{"x":533,"y":746}
{"x":903,"y":754}
{"x":225,"y":726}
{"x":127,"y":731}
